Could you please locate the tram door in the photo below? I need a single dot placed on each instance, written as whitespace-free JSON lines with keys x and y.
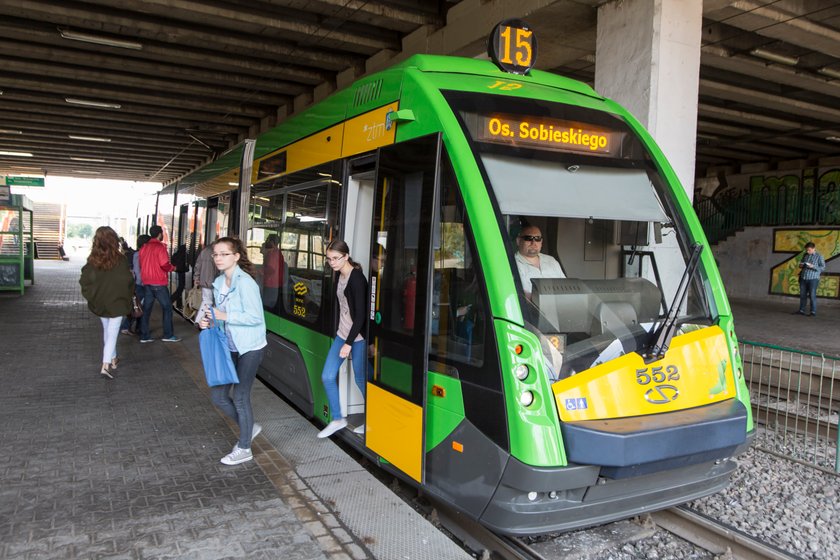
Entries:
{"x":356,"y":232}
{"x":399,"y":293}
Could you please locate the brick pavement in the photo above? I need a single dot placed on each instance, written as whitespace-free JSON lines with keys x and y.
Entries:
{"x":128,"y":468}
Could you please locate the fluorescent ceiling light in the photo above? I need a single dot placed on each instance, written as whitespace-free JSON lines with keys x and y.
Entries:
{"x":775,"y":57}
{"x":16,"y":154}
{"x":94,"y":160}
{"x":233,"y":184}
{"x":89,"y":103}
{"x":99,"y":40}
{"x":86,"y":172}
{"x":9,"y":131}
{"x":830,"y":72}
{"x":833,"y":138}
{"x":88,"y":138}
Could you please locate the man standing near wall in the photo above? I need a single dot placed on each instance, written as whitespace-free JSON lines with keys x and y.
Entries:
{"x":154,"y":269}
{"x":810,"y":268}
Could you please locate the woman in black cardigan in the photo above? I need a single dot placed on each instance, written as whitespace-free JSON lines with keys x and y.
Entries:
{"x":351,"y":291}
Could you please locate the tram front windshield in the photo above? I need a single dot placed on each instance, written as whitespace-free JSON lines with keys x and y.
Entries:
{"x":594,"y":243}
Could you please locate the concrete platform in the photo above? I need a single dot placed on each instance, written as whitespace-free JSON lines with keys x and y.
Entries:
{"x":129,"y":468}
{"x":775,"y":323}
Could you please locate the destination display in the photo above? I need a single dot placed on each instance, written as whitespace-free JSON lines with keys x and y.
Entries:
{"x":544,"y":133}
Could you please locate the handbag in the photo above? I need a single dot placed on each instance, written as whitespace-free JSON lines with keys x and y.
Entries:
{"x":136,"y":309}
{"x":192,"y":303}
{"x":215,"y":355}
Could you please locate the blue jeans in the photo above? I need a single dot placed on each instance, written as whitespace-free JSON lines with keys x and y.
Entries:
{"x":329,"y":376}
{"x":808,"y":290}
{"x":238,"y":407}
{"x":160,"y":293}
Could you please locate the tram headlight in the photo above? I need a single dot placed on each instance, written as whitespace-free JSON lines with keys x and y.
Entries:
{"x":521,"y":372}
{"x":526,"y":398}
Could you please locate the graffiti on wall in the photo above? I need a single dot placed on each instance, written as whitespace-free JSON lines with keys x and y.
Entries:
{"x":784,"y":277}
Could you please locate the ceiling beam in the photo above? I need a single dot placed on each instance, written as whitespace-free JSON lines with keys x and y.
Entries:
{"x":143,"y":70}
{"x":771,"y":21}
{"x":51,"y":110}
{"x":772,"y":102}
{"x":249,"y":20}
{"x":122,"y":80}
{"x":151,"y":29}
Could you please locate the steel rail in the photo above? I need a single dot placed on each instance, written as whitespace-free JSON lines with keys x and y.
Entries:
{"x":716,"y":537}
{"x":480,"y":539}
{"x":799,"y":423}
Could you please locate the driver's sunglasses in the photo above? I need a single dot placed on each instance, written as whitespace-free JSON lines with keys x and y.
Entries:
{"x":536,"y":238}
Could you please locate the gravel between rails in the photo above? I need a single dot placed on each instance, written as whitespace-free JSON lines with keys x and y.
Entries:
{"x":782,"y":502}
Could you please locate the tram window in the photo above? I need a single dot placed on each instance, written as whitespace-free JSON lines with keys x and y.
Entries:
{"x":292,"y":224}
{"x":458,"y":307}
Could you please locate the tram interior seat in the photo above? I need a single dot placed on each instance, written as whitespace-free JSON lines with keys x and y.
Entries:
{"x":575,"y":305}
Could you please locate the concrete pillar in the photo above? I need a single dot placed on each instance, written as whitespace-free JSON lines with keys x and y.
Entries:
{"x":648,"y":59}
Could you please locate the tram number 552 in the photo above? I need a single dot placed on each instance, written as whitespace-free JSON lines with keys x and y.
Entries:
{"x":657,"y":374}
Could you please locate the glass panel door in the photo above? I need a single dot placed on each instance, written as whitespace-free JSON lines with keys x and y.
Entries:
{"x":400,"y":279}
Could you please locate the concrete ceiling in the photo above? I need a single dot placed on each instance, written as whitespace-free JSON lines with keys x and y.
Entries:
{"x":191,"y":78}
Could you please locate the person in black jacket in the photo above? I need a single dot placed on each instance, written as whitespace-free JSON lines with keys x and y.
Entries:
{"x":351,"y":291}
{"x":107,"y":285}
{"x":179,"y":261}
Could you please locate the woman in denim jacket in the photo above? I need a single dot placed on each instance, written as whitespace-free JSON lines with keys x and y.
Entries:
{"x":239,"y":306}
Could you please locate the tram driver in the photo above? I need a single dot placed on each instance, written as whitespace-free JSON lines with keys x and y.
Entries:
{"x":531,"y":262}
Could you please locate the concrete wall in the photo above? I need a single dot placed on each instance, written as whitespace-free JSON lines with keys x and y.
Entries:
{"x":745,"y":261}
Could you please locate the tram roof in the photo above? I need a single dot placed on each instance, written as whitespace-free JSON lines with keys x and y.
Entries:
{"x":192,"y":78}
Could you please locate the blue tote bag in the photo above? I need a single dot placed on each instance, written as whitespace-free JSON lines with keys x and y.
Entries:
{"x":215,"y":355}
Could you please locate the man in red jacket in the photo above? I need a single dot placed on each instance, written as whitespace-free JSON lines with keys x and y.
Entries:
{"x":154,"y":270}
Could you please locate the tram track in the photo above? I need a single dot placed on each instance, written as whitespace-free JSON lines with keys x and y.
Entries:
{"x":716,"y":537}
{"x":691,"y":526}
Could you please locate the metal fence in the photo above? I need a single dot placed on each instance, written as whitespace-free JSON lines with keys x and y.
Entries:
{"x":795,"y":402}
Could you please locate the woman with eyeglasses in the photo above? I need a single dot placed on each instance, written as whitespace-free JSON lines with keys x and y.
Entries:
{"x":350,"y":292}
{"x":107,"y":285}
{"x":239,"y":306}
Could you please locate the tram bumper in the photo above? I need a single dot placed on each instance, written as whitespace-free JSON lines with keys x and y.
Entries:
{"x":531,"y":500}
{"x":621,"y":468}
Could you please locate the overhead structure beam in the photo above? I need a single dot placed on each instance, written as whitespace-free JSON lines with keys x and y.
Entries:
{"x":148,"y":28}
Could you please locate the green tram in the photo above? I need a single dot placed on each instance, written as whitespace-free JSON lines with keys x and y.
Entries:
{"x":608,"y":389}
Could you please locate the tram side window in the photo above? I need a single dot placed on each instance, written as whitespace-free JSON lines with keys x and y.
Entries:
{"x":288,"y":245}
{"x":303,"y":242}
{"x":459,"y":317}
{"x":266,"y":217}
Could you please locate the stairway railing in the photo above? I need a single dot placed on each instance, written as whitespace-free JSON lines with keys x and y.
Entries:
{"x":722,"y":216}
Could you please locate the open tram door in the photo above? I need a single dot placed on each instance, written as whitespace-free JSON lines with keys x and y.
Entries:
{"x":406,"y":186}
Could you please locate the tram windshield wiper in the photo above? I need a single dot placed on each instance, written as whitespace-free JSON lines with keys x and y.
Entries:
{"x":661,"y":337}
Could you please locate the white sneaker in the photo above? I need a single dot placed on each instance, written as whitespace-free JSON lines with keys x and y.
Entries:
{"x":332,"y":428}
{"x":359,"y":429}
{"x":256,"y":431}
{"x":238,"y":455}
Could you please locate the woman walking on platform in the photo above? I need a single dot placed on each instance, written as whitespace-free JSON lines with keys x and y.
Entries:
{"x":239,"y":306}
{"x":107,"y":285}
